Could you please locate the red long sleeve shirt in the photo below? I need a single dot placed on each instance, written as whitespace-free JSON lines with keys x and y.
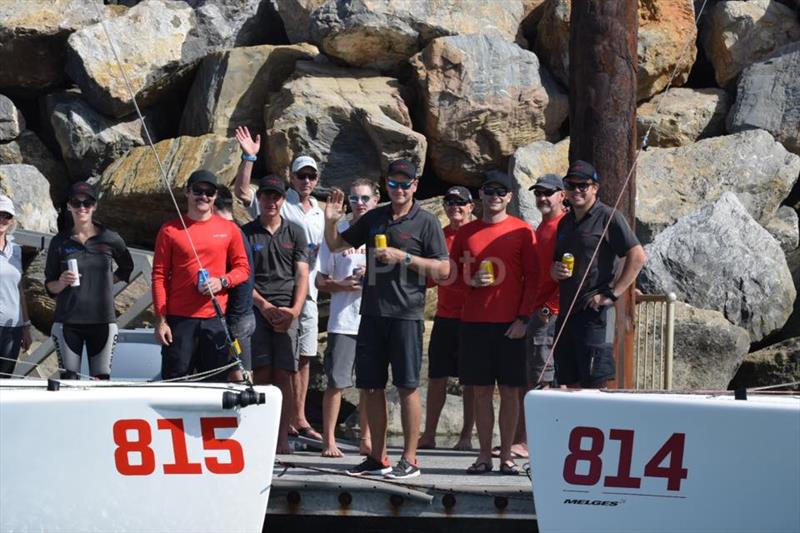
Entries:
{"x":450,"y":297}
{"x":511,"y":247}
{"x":547,"y":287}
{"x":219,"y":245}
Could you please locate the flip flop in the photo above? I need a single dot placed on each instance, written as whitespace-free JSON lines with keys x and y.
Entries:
{"x":509,"y":469}
{"x":308,"y":433}
{"x":477,"y":468}
{"x":515,"y":455}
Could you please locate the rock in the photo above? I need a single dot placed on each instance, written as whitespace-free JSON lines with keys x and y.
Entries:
{"x":30,"y":150}
{"x":483,"y":98}
{"x":672,"y":182}
{"x":768,"y":97}
{"x":528,"y":164}
{"x":383,"y":34}
{"x":784,"y":227}
{"x":232,"y":87}
{"x":720,"y":258}
{"x":682,"y":116}
{"x":707,"y":350}
{"x":738,"y":34}
{"x":296,"y":17}
{"x":533,"y":11}
{"x":11,"y":120}
{"x":792,"y":326}
{"x":160,"y":44}
{"x":776,"y":364}
{"x":41,"y":306}
{"x":89,"y":140}
{"x":665,"y":27}
{"x":352,"y":122}
{"x":135,"y":202}
{"x":33,"y":35}
{"x":24,"y":185}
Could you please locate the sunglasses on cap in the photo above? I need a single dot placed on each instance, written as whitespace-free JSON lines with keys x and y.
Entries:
{"x":359,"y":199}
{"x":579,"y":185}
{"x":307,"y":176}
{"x":208,"y":192}
{"x":452,"y":202}
{"x":5,"y":216}
{"x":77,"y":204}
{"x":544,"y":192}
{"x":405,"y":185}
{"x":494,"y":191}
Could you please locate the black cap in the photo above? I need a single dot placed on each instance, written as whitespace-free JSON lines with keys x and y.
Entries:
{"x":202,"y":176}
{"x":582,"y":169}
{"x":495,"y":176}
{"x":82,"y":187}
{"x":551,"y":182}
{"x":272,"y":183}
{"x":462,"y":193}
{"x":402,"y":166}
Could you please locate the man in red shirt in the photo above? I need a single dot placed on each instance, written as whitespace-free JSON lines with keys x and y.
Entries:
{"x":191,"y":335}
{"x":496,"y":311}
{"x":443,"y":346}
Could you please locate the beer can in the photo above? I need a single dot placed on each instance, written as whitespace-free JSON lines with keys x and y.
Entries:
{"x":488,"y":267}
{"x":569,"y":261}
{"x":381,"y":241}
{"x":202,"y":279}
{"x":72,"y":266}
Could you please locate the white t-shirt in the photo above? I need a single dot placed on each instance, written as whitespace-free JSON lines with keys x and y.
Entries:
{"x":344,"y":312}
{"x":10,"y":274}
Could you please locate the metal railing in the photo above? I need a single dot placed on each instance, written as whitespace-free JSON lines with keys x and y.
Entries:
{"x":653,"y":345}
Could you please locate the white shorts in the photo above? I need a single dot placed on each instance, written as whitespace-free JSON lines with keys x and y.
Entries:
{"x":308,"y":330}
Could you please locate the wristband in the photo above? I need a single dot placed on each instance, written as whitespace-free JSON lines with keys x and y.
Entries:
{"x":608,"y":291}
{"x":250,"y":158}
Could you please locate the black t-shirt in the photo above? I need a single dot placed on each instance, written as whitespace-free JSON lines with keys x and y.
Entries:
{"x":92,"y":302}
{"x":274,"y":259}
{"x":396,"y":291}
{"x":240,"y":297}
{"x":580,"y":239}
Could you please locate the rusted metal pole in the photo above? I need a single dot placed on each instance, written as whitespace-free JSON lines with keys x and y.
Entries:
{"x":602,"y":117}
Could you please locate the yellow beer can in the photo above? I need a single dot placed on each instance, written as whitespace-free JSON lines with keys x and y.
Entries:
{"x":488,"y":267}
{"x":569,"y":262}
{"x":381,"y":241}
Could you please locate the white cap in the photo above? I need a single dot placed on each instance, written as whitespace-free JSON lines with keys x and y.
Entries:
{"x":302,"y":162}
{"x":7,"y":205}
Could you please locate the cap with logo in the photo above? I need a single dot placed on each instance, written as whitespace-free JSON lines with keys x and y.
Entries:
{"x":272,"y":183}
{"x":501,"y":178}
{"x":459,"y":192}
{"x":404,"y":167}
{"x":202,"y":176}
{"x":551,"y":182}
{"x":582,"y":169}
{"x":82,"y":187}
{"x":7,"y":206}
{"x":302,"y":162}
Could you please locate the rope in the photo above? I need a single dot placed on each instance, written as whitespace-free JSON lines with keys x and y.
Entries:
{"x":616,"y":204}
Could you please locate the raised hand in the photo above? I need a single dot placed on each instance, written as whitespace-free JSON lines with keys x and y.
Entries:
{"x":249,"y":145}
{"x":334,"y":209}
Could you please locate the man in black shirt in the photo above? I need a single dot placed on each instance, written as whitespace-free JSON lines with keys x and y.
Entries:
{"x":584,"y":354}
{"x":280,"y":258}
{"x":390,"y":332}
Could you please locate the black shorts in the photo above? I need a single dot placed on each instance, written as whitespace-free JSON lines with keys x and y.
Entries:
{"x":443,"y":348}
{"x":487,"y":356}
{"x":198,"y":344}
{"x":388,"y":341}
{"x":583,"y":354}
{"x":278,"y":349}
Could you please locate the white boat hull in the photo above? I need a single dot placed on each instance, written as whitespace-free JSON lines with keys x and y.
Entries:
{"x":605,"y":461}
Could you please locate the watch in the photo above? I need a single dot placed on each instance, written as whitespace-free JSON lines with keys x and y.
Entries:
{"x":407,"y":259}
{"x":545,"y":311}
{"x":224,"y":282}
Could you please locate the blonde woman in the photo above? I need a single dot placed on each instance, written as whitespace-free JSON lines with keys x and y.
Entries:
{"x":15,"y":328}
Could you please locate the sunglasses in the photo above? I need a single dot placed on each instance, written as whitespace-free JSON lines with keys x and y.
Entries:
{"x":77,"y":204}
{"x":579,"y":185}
{"x":543,"y":192}
{"x":359,"y":199}
{"x":306,"y":177}
{"x":454,"y":203}
{"x":495,"y":191}
{"x":405,"y":185}
{"x":5,"y":216}
{"x":203,"y":191}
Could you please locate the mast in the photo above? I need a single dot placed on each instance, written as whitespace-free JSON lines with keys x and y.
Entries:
{"x":602,"y":117}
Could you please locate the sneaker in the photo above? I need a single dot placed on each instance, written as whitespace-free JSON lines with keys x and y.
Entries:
{"x":403,"y":469}
{"x":371,"y":467}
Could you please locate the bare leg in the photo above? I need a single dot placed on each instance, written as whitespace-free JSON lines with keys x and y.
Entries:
{"x":375,"y":401}
{"x":365,"y":445}
{"x":465,"y":439}
{"x":437,"y":394}
{"x":411,"y":416}
{"x":331,"y":402}
{"x":509,"y":412}
{"x":484,"y":421}
{"x":300,"y":386}
{"x":520,"y":445}
{"x":266,"y":375}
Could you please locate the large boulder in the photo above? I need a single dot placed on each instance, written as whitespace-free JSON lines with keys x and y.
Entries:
{"x":737,"y":34}
{"x":666,"y":44}
{"x":296,"y":17}
{"x":24,"y":184}
{"x":232,"y":87}
{"x":352,"y":122}
{"x":720,"y":258}
{"x":33,"y":36}
{"x":383,"y":34}
{"x":28,"y":149}
{"x":11,"y":120}
{"x":672,"y":182}
{"x":484,"y":97}
{"x":682,"y":116}
{"x":160,"y":43}
{"x":773,"y":365}
{"x":41,"y":306}
{"x":768,"y":97}
{"x":707,"y":349}
{"x":784,"y":227}
{"x":528,"y":164}
{"x":134,"y":200}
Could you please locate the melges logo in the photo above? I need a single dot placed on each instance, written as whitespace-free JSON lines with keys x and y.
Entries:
{"x":596,"y":503}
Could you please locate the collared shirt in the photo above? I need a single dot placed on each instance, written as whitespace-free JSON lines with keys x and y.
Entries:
{"x":240,"y":297}
{"x":10,"y":276}
{"x":396,"y":291}
{"x":580,"y":237}
{"x":275,"y":258}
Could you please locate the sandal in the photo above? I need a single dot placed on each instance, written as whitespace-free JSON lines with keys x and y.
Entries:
{"x":509,"y":469}
{"x":477,"y":468}
{"x":309,"y":433}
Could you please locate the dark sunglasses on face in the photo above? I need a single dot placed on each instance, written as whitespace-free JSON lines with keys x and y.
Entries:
{"x":203,"y":191}
{"x":405,"y":185}
{"x":453,"y":203}
{"x":579,"y":185}
{"x":543,"y":192}
{"x":77,"y":204}
{"x":307,"y":177}
{"x":5,"y":216}
{"x":359,"y":199}
{"x":495,"y":191}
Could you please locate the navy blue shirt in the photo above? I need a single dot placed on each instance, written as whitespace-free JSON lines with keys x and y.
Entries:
{"x":240,"y":298}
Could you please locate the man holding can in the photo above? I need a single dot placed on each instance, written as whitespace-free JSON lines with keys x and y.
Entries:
{"x":584,"y":353}
{"x":405,"y":244}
